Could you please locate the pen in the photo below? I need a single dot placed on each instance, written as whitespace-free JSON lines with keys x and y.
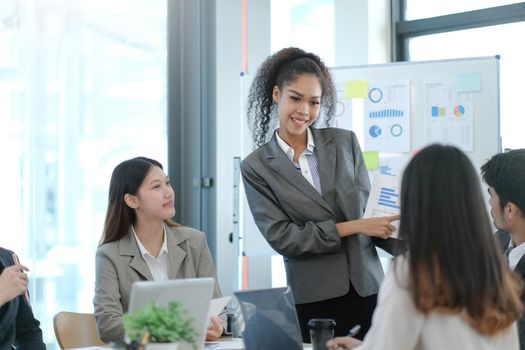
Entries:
{"x":145,"y":338}
{"x":16,"y":261}
{"x":354,"y":330}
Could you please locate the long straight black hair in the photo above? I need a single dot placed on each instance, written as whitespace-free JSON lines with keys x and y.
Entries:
{"x":453,"y":257}
{"x":127,"y":177}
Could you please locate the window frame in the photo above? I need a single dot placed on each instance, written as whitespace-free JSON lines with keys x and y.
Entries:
{"x":404,"y":30}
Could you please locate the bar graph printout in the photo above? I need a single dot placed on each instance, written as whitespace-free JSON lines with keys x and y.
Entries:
{"x":384,"y":198}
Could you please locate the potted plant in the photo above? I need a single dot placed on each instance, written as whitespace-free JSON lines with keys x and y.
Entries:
{"x":165,"y":326}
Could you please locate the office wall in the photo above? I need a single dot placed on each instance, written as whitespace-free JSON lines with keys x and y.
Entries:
{"x":229,"y":61}
{"x":229,"y":118}
{"x":362,"y":32}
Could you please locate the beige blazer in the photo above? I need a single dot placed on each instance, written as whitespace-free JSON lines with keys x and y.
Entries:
{"x":119,"y":264}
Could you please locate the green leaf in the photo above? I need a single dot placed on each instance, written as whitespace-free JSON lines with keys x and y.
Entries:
{"x":165,"y":325}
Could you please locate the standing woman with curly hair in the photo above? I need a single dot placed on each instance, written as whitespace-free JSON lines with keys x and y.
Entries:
{"x":307,"y":189}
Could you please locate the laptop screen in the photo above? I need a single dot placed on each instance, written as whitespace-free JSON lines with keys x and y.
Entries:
{"x":193,"y":293}
{"x":270,"y":319}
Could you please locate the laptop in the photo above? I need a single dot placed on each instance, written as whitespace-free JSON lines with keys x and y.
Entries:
{"x":193,"y":293}
{"x":270,"y":319}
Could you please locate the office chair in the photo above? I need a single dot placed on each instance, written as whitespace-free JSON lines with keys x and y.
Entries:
{"x":75,"y":330}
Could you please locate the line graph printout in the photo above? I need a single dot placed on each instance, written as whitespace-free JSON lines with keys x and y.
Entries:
{"x":384,"y":198}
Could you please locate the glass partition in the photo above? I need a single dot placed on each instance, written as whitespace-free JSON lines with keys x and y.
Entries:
{"x":82,"y":87}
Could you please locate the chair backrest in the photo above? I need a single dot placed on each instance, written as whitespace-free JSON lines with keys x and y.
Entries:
{"x":75,"y":330}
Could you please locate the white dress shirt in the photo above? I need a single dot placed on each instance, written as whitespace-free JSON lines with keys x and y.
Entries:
{"x":308,"y":163}
{"x":158,"y":266}
{"x":515,"y":254}
{"x":398,"y":325}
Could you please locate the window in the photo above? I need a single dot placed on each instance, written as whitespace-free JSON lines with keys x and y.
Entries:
{"x":308,"y":25}
{"x":417,"y":9}
{"x":495,"y":40}
{"x":488,"y":32}
{"x":82,"y":87}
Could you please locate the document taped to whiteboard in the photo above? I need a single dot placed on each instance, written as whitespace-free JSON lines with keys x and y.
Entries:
{"x":384,"y":198}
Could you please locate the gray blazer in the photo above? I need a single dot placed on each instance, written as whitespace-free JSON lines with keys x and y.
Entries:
{"x":119,"y":264}
{"x":299,"y":223}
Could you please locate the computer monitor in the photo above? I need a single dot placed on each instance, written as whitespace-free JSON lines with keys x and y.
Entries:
{"x":270,"y":319}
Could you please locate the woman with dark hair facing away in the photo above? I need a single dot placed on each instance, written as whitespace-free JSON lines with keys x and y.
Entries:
{"x":141,"y":242}
{"x":451,"y":289}
{"x":307,"y":190}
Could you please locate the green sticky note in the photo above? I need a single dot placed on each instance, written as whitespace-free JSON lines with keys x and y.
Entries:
{"x":371,"y":159}
{"x":356,"y":89}
{"x":466,"y":82}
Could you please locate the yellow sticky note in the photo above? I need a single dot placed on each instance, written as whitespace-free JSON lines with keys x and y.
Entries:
{"x":371,"y":159}
{"x":356,"y":89}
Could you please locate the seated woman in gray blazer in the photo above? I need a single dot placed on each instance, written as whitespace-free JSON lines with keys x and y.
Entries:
{"x":307,"y":189}
{"x":141,"y":242}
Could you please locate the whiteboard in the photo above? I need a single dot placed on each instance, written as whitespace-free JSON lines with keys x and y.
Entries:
{"x":449,"y":101}
{"x":428,"y":98}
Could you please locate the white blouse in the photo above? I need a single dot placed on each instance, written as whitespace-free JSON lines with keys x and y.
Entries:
{"x":397,"y":324}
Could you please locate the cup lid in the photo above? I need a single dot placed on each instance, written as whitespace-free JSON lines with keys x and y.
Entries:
{"x":321,"y":323}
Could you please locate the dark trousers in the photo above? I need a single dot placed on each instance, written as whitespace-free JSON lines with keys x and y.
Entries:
{"x":347,"y":311}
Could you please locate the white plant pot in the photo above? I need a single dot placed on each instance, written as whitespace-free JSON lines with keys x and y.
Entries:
{"x":162,"y":346}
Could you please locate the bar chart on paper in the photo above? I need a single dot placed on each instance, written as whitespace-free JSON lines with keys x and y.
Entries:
{"x":384,"y":197}
{"x":388,"y":198}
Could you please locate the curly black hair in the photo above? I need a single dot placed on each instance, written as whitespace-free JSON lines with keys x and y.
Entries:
{"x":280,"y":69}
